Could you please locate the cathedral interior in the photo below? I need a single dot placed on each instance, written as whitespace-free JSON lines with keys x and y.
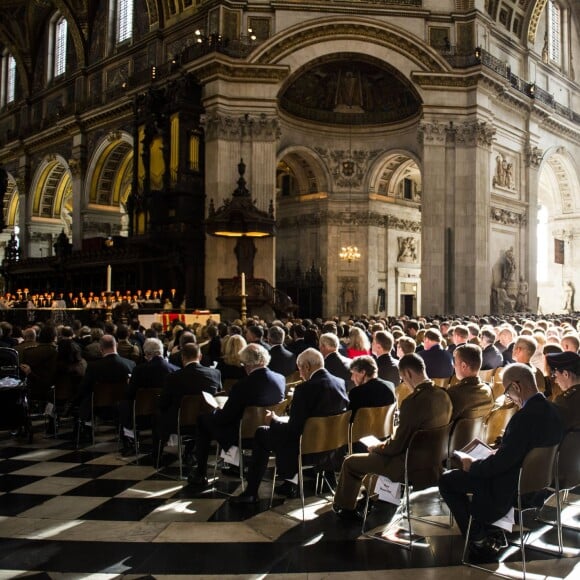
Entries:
{"x":329,"y":157}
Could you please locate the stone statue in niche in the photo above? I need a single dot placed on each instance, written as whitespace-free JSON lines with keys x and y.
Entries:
{"x":502,"y":301}
{"x":504,"y":173}
{"x":569,"y":293}
{"x":407,"y":250}
{"x":348,"y":297}
{"x":508,"y":269}
{"x":522,"y":297}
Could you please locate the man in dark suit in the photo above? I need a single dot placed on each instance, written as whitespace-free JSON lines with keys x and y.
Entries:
{"x":255,"y":335}
{"x":335,"y":363}
{"x":321,"y":394}
{"x":192,"y":379}
{"x":493,"y":481}
{"x":298,"y":344}
{"x":369,"y":390}
{"x":281,"y":359}
{"x":388,"y":366}
{"x":261,"y":387}
{"x":111,"y":368}
{"x":491,"y":357}
{"x":149,"y":375}
{"x":438,"y":362}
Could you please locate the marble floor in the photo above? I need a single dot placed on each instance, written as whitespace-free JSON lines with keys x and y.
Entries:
{"x":90,"y":513}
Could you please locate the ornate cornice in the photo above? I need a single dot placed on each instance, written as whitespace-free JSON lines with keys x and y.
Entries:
{"x":349,"y":219}
{"x":358,"y":30}
{"x":460,"y":80}
{"x":508,"y":217}
{"x":240,"y":72}
{"x":260,"y":127}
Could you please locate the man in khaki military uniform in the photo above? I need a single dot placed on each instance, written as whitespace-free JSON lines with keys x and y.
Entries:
{"x":524,"y":349}
{"x":565,"y":367}
{"x":428,"y":407}
{"x":471,"y":397}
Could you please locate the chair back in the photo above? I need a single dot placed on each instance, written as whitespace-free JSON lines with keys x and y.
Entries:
{"x":497,"y":385}
{"x":146,"y":401}
{"x":487,"y":375}
{"x":537,"y":470}
{"x":9,"y":363}
{"x":453,"y":380}
{"x":569,"y":461}
{"x":377,"y":421}
{"x":402,"y":391}
{"x":190,"y":408}
{"x":108,"y":394}
{"x":290,"y":386}
{"x":441,"y":382}
{"x":325,"y":433}
{"x":254,"y":417}
{"x":65,"y":387}
{"x":463,"y":431}
{"x":293,"y":377}
{"x":497,"y":421}
{"x":425,"y":456}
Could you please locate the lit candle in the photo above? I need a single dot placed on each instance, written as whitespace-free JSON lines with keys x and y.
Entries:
{"x":243,"y":284}
{"x":109,"y":275}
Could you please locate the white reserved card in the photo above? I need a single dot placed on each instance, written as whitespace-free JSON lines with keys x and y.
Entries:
{"x":231,"y":456}
{"x":387,"y":490}
{"x":507,"y":522}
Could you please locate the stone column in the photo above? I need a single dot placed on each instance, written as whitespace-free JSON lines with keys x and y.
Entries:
{"x":434,"y":223}
{"x":533,"y":159}
{"x":77,"y":166}
{"x":229,"y":138}
{"x":23,"y":185}
{"x":472,"y":274}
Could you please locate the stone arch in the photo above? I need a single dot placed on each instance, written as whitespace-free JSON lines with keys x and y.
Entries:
{"x":389,"y":169}
{"x":558,"y":186}
{"x":534,"y":20}
{"x":110,"y":171}
{"x":11,"y":203}
{"x":294,"y":46}
{"x":50,"y":187}
{"x":308,"y":170}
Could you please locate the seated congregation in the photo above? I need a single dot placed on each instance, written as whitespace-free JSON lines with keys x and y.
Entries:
{"x":392,"y":379}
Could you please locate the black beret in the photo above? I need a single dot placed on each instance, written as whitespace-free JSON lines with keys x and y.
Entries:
{"x":564,"y":361}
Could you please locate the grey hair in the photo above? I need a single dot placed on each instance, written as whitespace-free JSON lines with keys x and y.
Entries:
{"x":254,"y":355}
{"x":329,"y":339}
{"x":153,"y":347}
{"x":312,"y":357}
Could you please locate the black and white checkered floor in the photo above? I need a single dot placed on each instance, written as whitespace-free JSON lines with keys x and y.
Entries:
{"x":90,"y":513}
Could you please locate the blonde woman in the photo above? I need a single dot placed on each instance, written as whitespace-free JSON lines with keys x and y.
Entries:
{"x":229,"y":364}
{"x":358,"y":343}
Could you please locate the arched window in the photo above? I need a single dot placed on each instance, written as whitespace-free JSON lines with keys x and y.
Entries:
{"x":124,"y":20}
{"x":555,"y":32}
{"x":8,"y":79}
{"x":57,"y":40}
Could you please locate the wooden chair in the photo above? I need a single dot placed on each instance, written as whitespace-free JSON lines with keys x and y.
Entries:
{"x":496,"y":422}
{"x":144,"y":405}
{"x":104,"y":395}
{"x":424,"y":459}
{"x":377,"y":421}
{"x":320,"y":434}
{"x":442,"y":382}
{"x":402,"y":391}
{"x":463,"y":431}
{"x":253,"y":418}
{"x":536,"y":474}
{"x":487,"y":375}
{"x":497,"y":385}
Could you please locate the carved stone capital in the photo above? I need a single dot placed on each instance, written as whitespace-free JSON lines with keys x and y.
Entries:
{"x":433,"y":133}
{"x":475,"y":133}
{"x":259,"y":127}
{"x":75,"y":166}
{"x":533,"y":156}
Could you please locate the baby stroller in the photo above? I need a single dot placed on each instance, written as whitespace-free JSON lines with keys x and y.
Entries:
{"x":14,"y":412}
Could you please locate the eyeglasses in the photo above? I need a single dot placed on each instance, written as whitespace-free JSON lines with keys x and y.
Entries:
{"x":508,"y":389}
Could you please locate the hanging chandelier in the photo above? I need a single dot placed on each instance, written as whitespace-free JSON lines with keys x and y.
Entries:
{"x":349,"y":253}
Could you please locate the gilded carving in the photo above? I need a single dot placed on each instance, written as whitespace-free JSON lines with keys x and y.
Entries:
{"x":75,"y":166}
{"x":535,"y":20}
